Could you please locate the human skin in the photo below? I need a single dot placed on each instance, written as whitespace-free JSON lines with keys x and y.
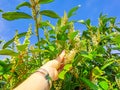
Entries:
{"x":37,"y":81}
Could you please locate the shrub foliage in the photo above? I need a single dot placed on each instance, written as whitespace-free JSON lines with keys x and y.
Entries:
{"x":92,"y":58}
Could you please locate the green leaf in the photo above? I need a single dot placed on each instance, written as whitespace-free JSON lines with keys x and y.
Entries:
{"x":52,"y":48}
{"x":72,"y":11}
{"x":51,"y":32}
{"x":23,"y":4}
{"x":104,"y":85}
{"x":116,"y":39}
{"x":49,"y":13}
{"x":38,"y":50}
{"x":8,"y":52}
{"x":68,"y":84}
{"x":100,"y":49}
{"x":1,"y":10}
{"x":81,"y":21}
{"x":117,"y":79}
{"x":52,"y":36}
{"x":12,"y":40}
{"x":72,"y":35}
{"x":87,"y":22}
{"x":1,"y":41}
{"x":107,"y":64}
{"x":4,"y":67}
{"x":2,"y":63}
{"x":117,"y":28}
{"x":97,"y":71}
{"x":89,"y":83}
{"x":43,"y":24}
{"x":112,"y":20}
{"x":62,"y":74}
{"x":22,"y":47}
{"x":1,"y":70}
{"x":87,"y":56}
{"x":15,"y":15}
{"x":45,"y":1}
{"x":64,"y":28}
{"x":62,"y":36}
{"x":67,"y":67}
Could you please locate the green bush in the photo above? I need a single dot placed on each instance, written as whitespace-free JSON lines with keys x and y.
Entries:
{"x":91,"y":62}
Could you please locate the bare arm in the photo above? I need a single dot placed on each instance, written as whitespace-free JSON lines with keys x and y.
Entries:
{"x":37,"y":81}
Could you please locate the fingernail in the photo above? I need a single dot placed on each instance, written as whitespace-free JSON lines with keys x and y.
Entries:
{"x":61,"y":56}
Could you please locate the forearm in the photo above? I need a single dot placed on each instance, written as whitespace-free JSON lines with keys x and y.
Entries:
{"x":35,"y":82}
{"x":43,"y":77}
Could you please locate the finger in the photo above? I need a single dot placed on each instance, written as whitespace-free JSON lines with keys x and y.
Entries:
{"x":56,"y":62}
{"x":60,"y":58}
{"x":55,"y":75}
{"x":53,"y":63}
{"x":61,"y":67}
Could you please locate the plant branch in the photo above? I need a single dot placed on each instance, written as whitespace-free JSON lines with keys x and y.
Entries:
{"x":35,"y":13}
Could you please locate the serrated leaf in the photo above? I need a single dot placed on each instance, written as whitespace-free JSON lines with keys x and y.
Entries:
{"x":12,"y":40}
{"x":49,"y":13}
{"x":89,"y":83}
{"x":45,"y":1}
{"x":72,"y":11}
{"x":8,"y":52}
{"x":15,"y":15}
{"x":23,"y":4}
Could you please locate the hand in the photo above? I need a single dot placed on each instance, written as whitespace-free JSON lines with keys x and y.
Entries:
{"x":53,"y":66}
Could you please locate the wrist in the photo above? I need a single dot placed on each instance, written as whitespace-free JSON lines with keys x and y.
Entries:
{"x":44,"y":73}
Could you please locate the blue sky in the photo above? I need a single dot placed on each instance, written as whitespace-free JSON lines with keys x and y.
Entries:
{"x":89,"y":9}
